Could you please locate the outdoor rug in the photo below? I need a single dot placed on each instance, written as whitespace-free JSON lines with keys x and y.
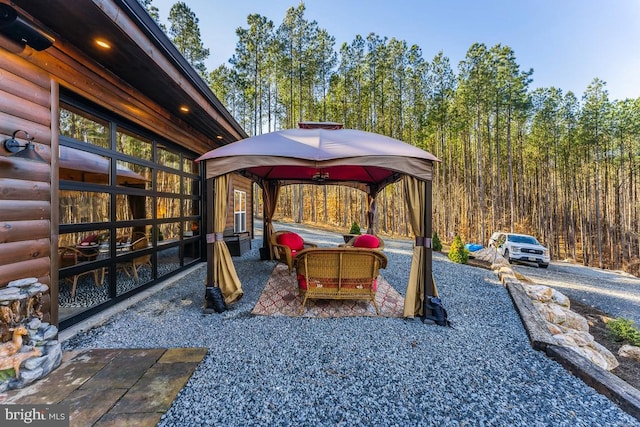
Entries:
{"x":280,"y":298}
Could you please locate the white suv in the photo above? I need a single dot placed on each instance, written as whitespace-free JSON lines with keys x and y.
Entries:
{"x":520,"y":247}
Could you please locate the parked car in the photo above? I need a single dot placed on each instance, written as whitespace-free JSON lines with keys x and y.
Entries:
{"x":520,"y":247}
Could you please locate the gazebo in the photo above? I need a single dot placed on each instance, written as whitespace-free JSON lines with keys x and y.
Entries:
{"x":322,"y":153}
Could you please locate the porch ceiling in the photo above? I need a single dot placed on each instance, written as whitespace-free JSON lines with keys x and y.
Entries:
{"x":80,"y":23}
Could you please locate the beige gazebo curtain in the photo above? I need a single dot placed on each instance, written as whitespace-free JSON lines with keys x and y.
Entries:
{"x":270,"y":190}
{"x":224,"y":272}
{"x":419,"y":279}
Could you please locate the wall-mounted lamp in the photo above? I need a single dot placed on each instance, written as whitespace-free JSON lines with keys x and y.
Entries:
{"x":22,"y":151}
{"x":16,"y":27}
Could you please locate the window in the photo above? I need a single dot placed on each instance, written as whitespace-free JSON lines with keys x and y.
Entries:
{"x":130,"y":208}
{"x":239,"y":211}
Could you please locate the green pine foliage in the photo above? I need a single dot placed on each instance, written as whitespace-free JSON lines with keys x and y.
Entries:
{"x":457,"y":252}
{"x":355,"y":228}
{"x":435,"y":241}
{"x":624,"y":330}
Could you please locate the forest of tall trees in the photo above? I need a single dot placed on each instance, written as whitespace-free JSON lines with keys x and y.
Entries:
{"x":563,"y":167}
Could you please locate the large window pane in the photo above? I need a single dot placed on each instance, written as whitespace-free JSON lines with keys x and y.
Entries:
{"x":190,"y":166}
{"x":191,"y":228}
{"x":191,"y":252}
{"x":168,"y":158}
{"x":133,"y":145}
{"x":168,"y":260}
{"x":82,"y":166}
{"x":78,"y":207}
{"x":168,"y":182}
{"x":130,"y":207}
{"x":134,"y":175}
{"x":84,"y":127}
{"x":169,"y":232}
{"x":168,"y":207}
{"x":192,"y":186}
{"x":81,"y":275}
{"x":191,"y":207}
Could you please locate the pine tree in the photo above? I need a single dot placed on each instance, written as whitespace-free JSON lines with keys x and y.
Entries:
{"x":185,"y":35}
{"x":457,"y":252}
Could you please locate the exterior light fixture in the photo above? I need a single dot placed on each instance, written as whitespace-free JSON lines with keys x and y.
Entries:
{"x":103,"y":43}
{"x":184,"y":109}
{"x":22,"y":151}
{"x":218,"y":136}
{"x":19,"y":29}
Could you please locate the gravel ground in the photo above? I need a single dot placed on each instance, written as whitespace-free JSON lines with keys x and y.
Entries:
{"x":616,"y":293}
{"x":280,"y":371}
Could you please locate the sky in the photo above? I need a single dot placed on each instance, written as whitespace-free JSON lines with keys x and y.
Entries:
{"x":567,"y":43}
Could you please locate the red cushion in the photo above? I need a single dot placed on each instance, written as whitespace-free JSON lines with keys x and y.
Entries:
{"x":292,"y":240}
{"x":302,"y":282}
{"x":91,"y":238}
{"x":366,"y":241}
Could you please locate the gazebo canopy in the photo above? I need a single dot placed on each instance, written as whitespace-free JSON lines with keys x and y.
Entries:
{"x":322,"y":155}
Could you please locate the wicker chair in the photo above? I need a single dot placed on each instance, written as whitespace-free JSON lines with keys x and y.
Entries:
{"x":136,"y":263}
{"x":284,"y":253}
{"x":339,"y":273}
{"x":351,"y":242}
{"x":69,"y":256}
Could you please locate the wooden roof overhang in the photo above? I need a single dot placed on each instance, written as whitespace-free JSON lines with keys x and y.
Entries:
{"x":142,"y":56}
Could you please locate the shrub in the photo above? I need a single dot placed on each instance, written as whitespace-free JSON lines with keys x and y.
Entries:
{"x":457,"y":252}
{"x":436,"y":243}
{"x":624,"y":330}
{"x":355,"y":228}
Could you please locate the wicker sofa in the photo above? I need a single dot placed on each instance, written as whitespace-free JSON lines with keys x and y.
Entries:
{"x":339,"y":273}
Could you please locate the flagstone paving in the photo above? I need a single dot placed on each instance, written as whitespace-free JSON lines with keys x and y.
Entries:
{"x":116,"y":387}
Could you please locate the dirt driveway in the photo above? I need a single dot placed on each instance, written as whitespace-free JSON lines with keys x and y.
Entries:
{"x":615,"y":293}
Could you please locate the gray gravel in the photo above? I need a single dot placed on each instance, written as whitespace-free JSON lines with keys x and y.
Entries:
{"x":280,"y":371}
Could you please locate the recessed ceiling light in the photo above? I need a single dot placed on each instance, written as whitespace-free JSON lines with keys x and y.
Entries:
{"x":103,"y":43}
{"x":219,"y":136}
{"x":184,"y":109}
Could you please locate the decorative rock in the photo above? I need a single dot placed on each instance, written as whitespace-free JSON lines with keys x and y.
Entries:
{"x":10,"y":294}
{"x":34,"y":362}
{"x":581,"y":338}
{"x":561,"y":315}
{"x":553,"y":313}
{"x":22,"y":282}
{"x":35,"y":323}
{"x":565,"y":340}
{"x":612,"y":362}
{"x":539,"y":292}
{"x":560,"y":298}
{"x":50,"y":332}
{"x":33,"y":290}
{"x":575,"y":321}
{"x":554,"y":329}
{"x":630,"y":351}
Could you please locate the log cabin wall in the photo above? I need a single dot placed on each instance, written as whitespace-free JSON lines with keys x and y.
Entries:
{"x":25,"y":185}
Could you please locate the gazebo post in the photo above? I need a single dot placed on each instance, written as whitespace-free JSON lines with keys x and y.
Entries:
{"x":265,"y":251}
{"x":209,"y":190}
